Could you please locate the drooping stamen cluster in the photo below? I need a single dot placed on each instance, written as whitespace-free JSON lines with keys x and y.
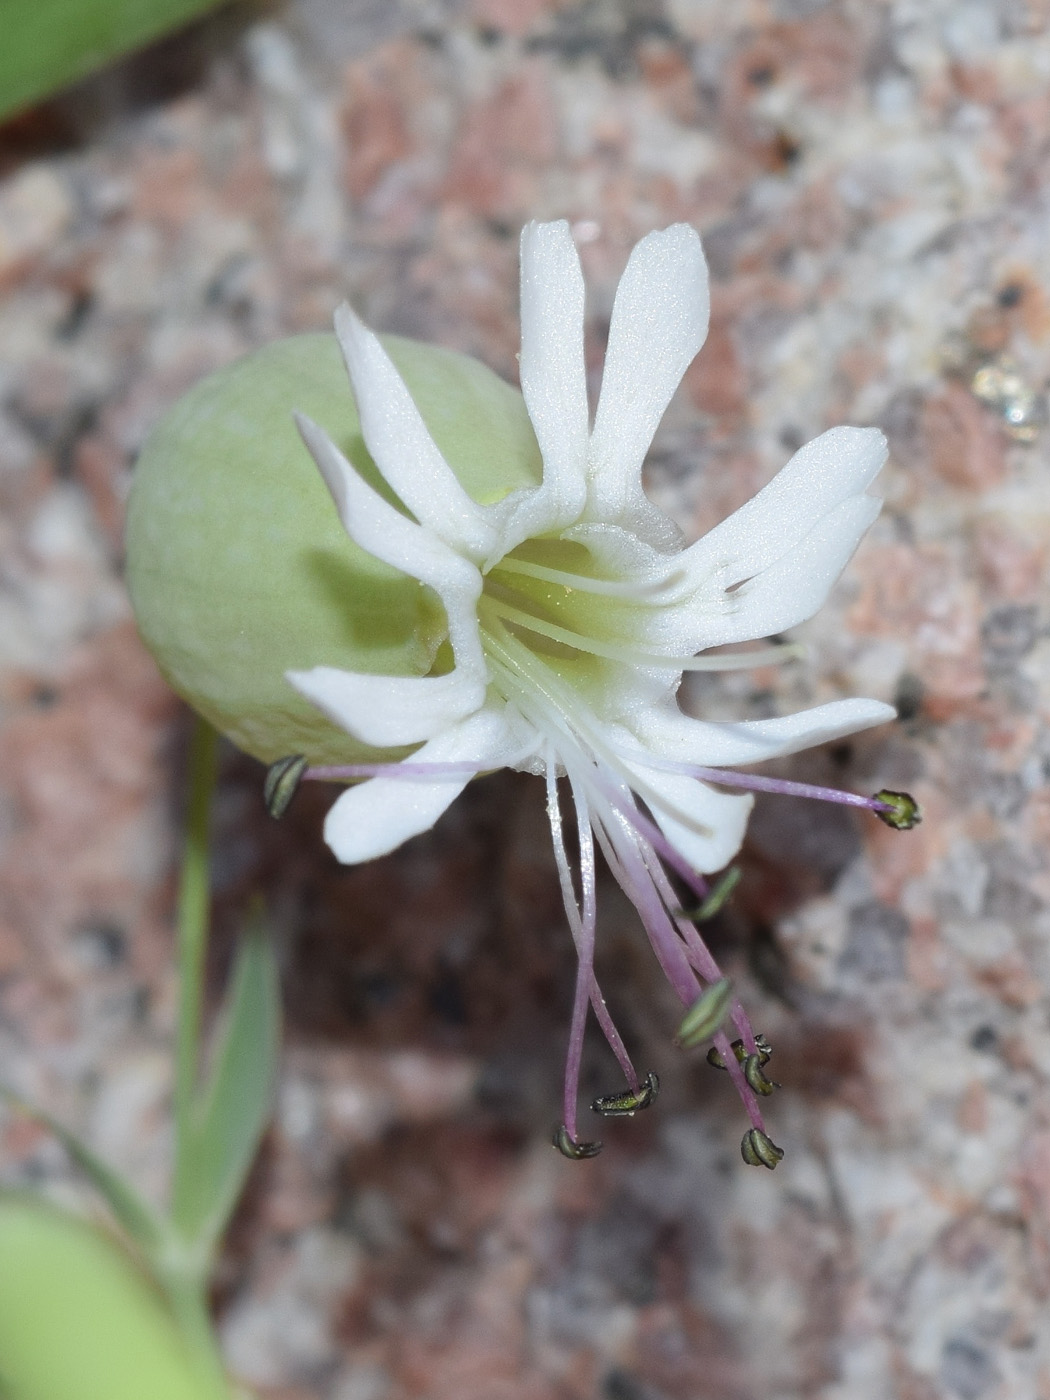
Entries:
{"x":537,"y":615}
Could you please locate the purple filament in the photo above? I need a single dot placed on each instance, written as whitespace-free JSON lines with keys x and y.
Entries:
{"x":754,"y":782}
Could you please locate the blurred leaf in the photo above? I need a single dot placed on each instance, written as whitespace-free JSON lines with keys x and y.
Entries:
{"x":48,"y":44}
{"x":215,"y":1154}
{"x":137,"y":1218}
{"x":78,"y":1321}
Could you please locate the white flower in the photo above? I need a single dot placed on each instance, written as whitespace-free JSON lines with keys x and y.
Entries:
{"x":573,"y":608}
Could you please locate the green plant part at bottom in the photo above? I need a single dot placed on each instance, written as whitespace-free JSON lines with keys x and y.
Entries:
{"x":238,"y":567}
{"x":79,"y":1322}
{"x":48,"y":46}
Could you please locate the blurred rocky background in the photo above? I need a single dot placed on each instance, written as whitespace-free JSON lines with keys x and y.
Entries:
{"x":872,"y":181}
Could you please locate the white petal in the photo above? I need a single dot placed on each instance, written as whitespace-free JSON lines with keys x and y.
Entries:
{"x":669,"y":733}
{"x":390,"y":710}
{"x":704,"y":826}
{"x":793,"y":587}
{"x":376,"y":817}
{"x":376,"y":526}
{"x":617,"y":553}
{"x":401,"y":445}
{"x":553,"y":379}
{"x":823,"y":474}
{"x":384,"y":532}
{"x":659,"y":322}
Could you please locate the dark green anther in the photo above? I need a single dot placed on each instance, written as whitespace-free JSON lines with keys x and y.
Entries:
{"x":720,"y":892}
{"x":903,"y":813}
{"x":575,"y":1151}
{"x":762,"y":1045}
{"x":704,"y":1018}
{"x":758,"y":1150}
{"x":282,"y":781}
{"x":755,"y":1076}
{"x":627,"y":1104}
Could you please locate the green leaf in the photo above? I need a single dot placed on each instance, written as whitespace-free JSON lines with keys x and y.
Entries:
{"x":79,"y":1322}
{"x":48,"y":44}
{"x":215,"y":1154}
{"x":137,"y":1218}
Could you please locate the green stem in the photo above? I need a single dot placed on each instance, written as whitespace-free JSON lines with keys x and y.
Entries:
{"x":189,"y":1306}
{"x":194,"y":899}
{"x":185,"y":1278}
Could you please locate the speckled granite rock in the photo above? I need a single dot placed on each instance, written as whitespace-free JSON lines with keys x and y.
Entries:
{"x":871,"y":180}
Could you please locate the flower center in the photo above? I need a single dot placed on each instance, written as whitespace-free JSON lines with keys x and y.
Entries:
{"x":555,"y":635}
{"x":553,"y":595}
{"x":550,"y":596}
{"x":554,"y":631}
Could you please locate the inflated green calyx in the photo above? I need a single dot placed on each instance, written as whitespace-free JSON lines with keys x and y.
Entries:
{"x":238,"y":566}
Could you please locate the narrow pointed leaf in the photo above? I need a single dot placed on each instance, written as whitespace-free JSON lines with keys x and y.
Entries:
{"x":129,"y":1209}
{"x":229,"y":1118}
{"x":52,"y":43}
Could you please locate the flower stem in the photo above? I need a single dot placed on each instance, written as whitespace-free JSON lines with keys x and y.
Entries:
{"x":193,"y":925}
{"x":188,"y":1300}
{"x":184,"y":1274}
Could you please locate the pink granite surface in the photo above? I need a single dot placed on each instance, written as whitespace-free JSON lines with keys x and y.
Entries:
{"x":872,"y":180}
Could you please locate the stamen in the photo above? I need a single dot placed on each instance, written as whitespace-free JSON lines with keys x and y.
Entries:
{"x":763,"y":1050}
{"x":588,"y":927}
{"x":754,"y":782}
{"x":699,"y":956}
{"x":632,"y":844}
{"x":898,"y":809}
{"x":584,"y":969}
{"x":621,"y":800}
{"x":733,"y":661}
{"x":759,"y":1150}
{"x":697,"y":951}
{"x":585,"y":772}
{"x":740,"y":1084}
{"x":627,"y":1104}
{"x":583,"y":583}
{"x":755,"y":1076}
{"x":706,"y":1014}
{"x":576,"y":924}
{"x":640,"y":875}
{"x":620,"y":845}
{"x":678,"y":947}
{"x":569,"y":1147}
{"x":513,"y":659}
{"x":721,"y":891}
